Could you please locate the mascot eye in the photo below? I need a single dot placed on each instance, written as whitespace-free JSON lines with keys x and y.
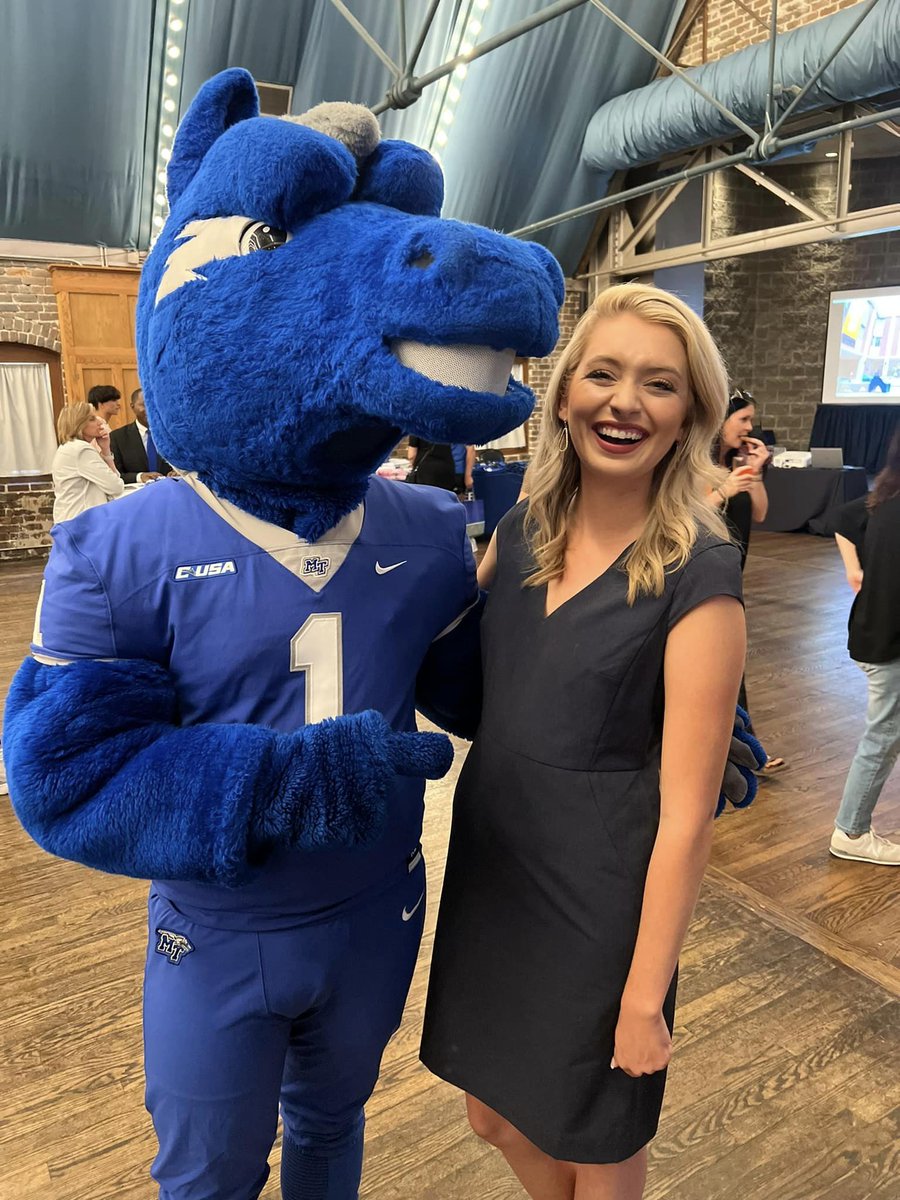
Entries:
{"x":259,"y":236}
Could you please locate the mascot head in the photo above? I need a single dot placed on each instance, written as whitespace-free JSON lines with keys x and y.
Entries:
{"x":305,"y":306}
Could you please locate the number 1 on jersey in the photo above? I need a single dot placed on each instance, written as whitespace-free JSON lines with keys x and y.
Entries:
{"x":317,"y":651}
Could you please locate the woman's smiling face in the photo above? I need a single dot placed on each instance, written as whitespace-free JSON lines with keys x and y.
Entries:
{"x":628,"y":398}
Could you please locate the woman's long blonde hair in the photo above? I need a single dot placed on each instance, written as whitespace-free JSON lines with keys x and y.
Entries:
{"x":72,"y":420}
{"x":679,"y":504}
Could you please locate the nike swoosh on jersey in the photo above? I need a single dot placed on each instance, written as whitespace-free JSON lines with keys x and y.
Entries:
{"x":380,"y":570}
{"x":409,"y":912}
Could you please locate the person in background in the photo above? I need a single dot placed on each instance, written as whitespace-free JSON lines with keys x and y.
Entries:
{"x":106,"y":403}
{"x":613,"y":642}
{"x":868,"y":538}
{"x":136,"y":457}
{"x":432,"y":464}
{"x":463,"y":462}
{"x":81,"y":479}
{"x":742,"y":497}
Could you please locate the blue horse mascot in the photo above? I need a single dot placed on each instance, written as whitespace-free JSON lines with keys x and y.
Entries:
{"x":221,"y":693}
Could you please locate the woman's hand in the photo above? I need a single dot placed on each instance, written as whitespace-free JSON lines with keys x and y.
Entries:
{"x":643,"y":1044}
{"x":855,"y":579}
{"x":741,"y":479}
{"x":756,"y":454}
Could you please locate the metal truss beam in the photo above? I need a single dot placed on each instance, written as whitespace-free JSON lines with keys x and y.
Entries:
{"x":751,"y":154}
{"x":658,"y":207}
{"x":675,"y":69}
{"x":373,"y":45}
{"x":871,"y":220}
{"x":890,"y":126}
{"x":783,"y":193}
{"x":409,"y":87}
{"x":821,"y":69}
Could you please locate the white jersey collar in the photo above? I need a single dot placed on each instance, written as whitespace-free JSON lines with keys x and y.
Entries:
{"x":314,"y":563}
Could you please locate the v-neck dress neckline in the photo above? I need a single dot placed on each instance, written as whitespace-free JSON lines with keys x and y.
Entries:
{"x":545,"y":590}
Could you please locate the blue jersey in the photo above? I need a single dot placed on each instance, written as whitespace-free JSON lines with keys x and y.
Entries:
{"x":258,"y":626}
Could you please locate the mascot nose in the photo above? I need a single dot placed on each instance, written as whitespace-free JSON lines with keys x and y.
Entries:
{"x":551,"y":268}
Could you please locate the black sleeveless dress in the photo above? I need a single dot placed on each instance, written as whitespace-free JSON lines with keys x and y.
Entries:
{"x":554,"y":821}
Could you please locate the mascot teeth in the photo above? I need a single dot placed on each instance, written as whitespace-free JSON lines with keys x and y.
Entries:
{"x":477,"y":368}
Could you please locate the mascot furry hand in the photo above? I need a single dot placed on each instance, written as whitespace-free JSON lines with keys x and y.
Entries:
{"x":226,"y":664}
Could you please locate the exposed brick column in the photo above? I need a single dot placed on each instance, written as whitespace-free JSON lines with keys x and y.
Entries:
{"x":26,"y":514}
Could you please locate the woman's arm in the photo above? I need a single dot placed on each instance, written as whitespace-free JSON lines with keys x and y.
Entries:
{"x":102,"y":445}
{"x":487,"y":568}
{"x":757,"y":456}
{"x":90,"y":465}
{"x":470,"y":464}
{"x":852,"y":565}
{"x":759,"y":501}
{"x":703,"y":663}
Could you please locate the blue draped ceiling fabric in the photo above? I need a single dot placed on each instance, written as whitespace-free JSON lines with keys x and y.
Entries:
{"x":79,"y":81}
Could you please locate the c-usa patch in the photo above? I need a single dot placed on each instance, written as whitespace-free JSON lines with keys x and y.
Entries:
{"x":174,"y":946}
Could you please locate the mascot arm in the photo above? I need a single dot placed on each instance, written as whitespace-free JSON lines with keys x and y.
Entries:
{"x":101,"y":772}
{"x":449,"y":682}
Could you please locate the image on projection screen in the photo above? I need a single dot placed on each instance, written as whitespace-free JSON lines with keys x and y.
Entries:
{"x":862,"y":347}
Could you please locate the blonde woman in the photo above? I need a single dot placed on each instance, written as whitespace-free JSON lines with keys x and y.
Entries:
{"x":613,"y":645}
{"x":81,"y":478}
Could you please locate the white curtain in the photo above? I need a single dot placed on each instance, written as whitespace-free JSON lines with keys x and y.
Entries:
{"x":27,"y":436}
{"x":517,"y":440}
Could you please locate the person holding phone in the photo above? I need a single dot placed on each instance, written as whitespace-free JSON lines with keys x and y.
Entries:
{"x":742,"y":496}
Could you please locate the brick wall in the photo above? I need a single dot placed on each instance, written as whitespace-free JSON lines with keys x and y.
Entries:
{"x":540,"y":370}
{"x":730,"y":27}
{"x":28,"y":314}
{"x":769,"y":311}
{"x":26,"y":514}
{"x":28,"y":311}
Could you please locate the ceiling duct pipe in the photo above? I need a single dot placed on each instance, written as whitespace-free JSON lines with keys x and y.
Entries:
{"x":666,"y":116}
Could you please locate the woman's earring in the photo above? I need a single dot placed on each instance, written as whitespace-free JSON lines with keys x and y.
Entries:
{"x":562,"y":441}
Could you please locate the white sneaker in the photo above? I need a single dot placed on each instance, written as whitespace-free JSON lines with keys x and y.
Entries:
{"x":868,"y":847}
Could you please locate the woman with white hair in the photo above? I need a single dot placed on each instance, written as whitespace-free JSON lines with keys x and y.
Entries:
{"x":81,"y":478}
{"x":613,"y":645}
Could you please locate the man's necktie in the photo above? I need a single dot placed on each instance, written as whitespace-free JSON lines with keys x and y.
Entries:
{"x":152,"y":456}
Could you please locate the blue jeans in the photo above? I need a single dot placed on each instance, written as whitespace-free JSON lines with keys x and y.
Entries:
{"x":877,"y":751}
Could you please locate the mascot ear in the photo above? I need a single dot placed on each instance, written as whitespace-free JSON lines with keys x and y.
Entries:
{"x":403,"y":176}
{"x":223,"y":101}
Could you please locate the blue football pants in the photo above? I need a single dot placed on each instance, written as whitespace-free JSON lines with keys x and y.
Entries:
{"x":241,"y":1021}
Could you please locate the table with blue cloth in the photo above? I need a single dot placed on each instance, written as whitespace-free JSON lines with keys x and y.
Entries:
{"x":497,"y":485}
{"x":808,"y":499}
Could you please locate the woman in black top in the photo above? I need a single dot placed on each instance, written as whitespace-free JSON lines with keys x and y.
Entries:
{"x":613,"y":641}
{"x":868,"y":538}
{"x":432,"y":463}
{"x":742,"y":496}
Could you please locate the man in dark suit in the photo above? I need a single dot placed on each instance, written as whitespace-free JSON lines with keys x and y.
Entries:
{"x":135,"y":455}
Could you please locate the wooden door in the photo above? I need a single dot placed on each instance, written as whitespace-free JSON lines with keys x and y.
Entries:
{"x":96,"y":321}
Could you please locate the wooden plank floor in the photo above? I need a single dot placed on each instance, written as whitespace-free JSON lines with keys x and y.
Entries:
{"x":786,"y":1078}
